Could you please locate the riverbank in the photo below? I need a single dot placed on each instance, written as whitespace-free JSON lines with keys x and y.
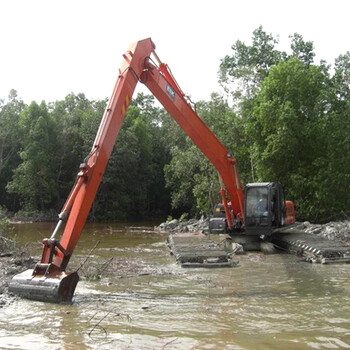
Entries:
{"x":31,"y":216}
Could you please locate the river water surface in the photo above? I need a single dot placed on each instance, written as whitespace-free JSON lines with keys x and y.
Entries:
{"x":143,"y":300}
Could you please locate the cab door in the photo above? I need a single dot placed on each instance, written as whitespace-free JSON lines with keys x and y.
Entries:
{"x":262,"y":208}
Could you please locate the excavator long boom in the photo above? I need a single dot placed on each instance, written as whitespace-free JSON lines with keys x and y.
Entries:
{"x":49,"y":275}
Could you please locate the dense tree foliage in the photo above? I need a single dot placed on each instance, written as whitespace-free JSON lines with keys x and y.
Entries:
{"x":284,"y":118}
{"x":242,"y":72}
{"x":296,"y":120}
{"x":33,"y":179}
{"x":43,"y":145}
{"x":9,"y":144}
{"x":289,"y":126}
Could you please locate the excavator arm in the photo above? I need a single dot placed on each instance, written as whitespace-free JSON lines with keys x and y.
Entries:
{"x":49,"y":275}
{"x":164,"y":87}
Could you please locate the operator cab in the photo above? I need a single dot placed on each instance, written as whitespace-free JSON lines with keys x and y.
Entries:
{"x":264,"y":208}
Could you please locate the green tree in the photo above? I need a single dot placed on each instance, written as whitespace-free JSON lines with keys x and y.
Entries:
{"x":304,"y":51}
{"x":192,"y":179}
{"x":9,"y":144}
{"x":341,"y":79}
{"x":188,"y":176}
{"x":289,"y":128}
{"x":242,"y":72}
{"x":34,"y":180}
{"x":133,"y":185}
{"x":77,"y":120}
{"x":336,"y":176}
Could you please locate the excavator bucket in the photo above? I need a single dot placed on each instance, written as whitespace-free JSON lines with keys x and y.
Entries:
{"x":55,"y":288}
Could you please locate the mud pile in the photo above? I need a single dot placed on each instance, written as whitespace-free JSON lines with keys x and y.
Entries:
{"x":335,"y":231}
{"x":191,"y":225}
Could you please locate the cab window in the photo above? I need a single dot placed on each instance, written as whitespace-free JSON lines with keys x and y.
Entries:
{"x":257,"y":209}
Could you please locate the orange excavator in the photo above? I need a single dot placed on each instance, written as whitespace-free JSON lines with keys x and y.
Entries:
{"x":255,"y":211}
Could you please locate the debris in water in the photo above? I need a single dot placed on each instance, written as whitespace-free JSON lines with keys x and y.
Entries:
{"x":268,"y":248}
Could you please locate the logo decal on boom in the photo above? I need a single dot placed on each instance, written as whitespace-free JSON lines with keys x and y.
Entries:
{"x":170,"y":91}
{"x":125,"y":105}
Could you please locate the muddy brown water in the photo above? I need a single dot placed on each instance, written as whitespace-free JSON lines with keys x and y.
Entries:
{"x":143,"y":300}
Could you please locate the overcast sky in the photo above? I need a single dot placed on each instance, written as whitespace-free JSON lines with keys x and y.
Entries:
{"x":50,"y":48}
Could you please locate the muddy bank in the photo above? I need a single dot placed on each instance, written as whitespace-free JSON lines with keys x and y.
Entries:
{"x":23,"y":216}
{"x":12,"y":260}
{"x":336,"y":231}
{"x":11,"y":263}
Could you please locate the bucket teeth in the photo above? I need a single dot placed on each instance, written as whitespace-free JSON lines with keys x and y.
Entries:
{"x":51,"y":288}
